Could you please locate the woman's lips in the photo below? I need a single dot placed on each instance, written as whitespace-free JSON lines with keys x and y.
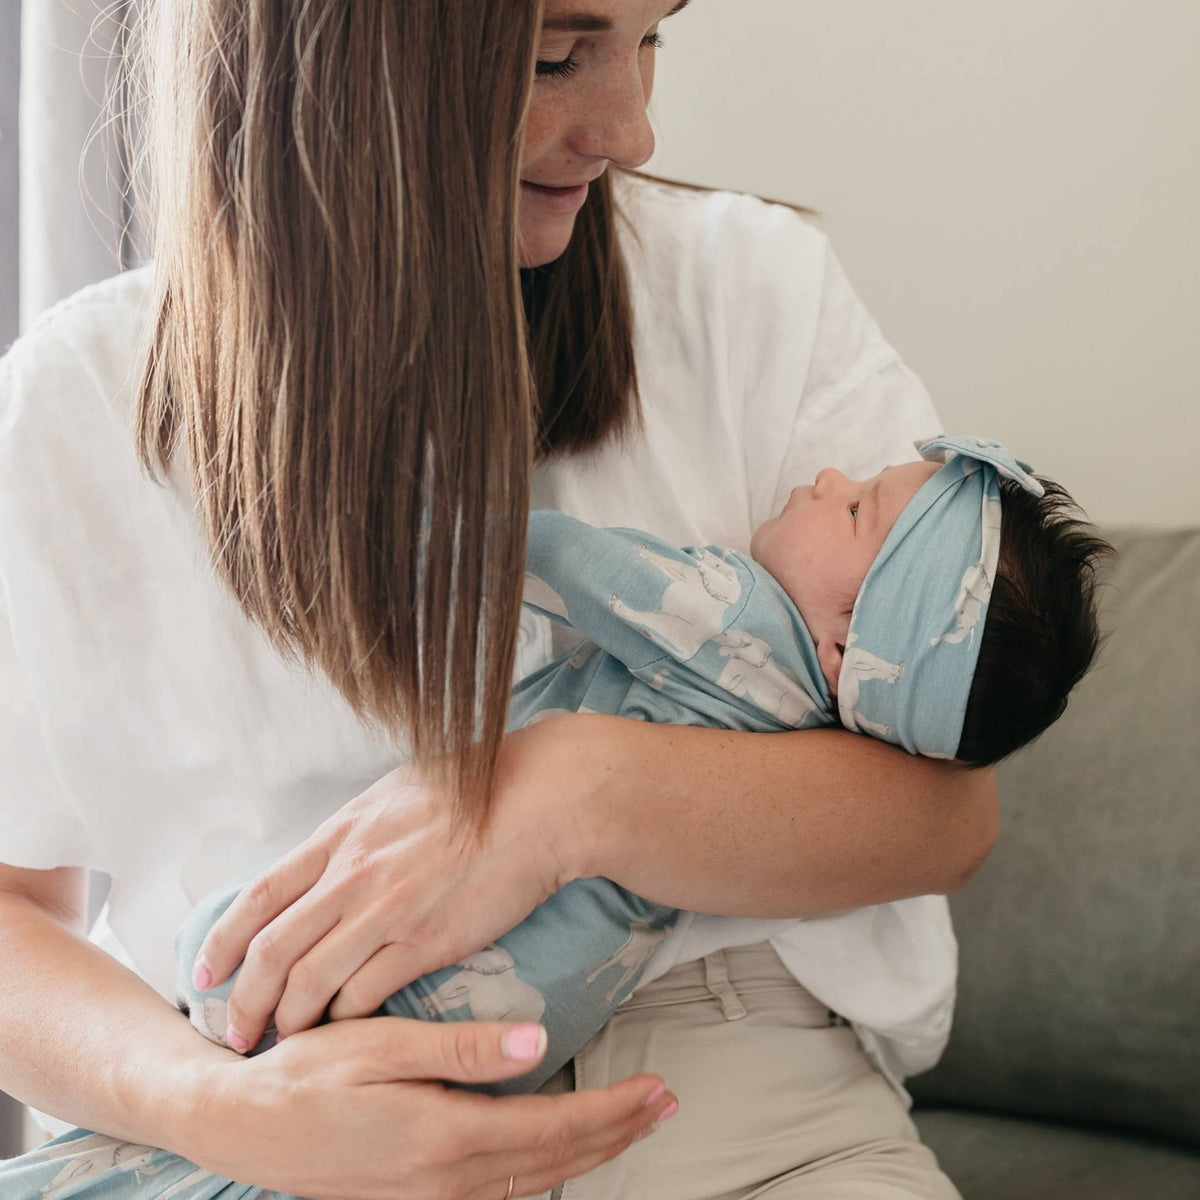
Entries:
{"x":556,"y":199}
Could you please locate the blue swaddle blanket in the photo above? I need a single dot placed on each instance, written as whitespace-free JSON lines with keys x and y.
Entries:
{"x":684,"y":636}
{"x":691,"y":636}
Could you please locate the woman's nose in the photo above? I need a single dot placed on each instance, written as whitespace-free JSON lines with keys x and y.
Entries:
{"x":617,"y":126}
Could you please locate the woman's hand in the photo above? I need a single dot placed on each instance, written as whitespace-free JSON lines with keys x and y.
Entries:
{"x":350,"y":1111}
{"x":386,"y":890}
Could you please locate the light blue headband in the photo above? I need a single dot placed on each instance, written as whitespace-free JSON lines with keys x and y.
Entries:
{"x":912,"y":646}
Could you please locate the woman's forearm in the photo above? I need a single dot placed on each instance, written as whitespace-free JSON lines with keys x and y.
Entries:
{"x":84,"y":1038}
{"x":771,"y":825}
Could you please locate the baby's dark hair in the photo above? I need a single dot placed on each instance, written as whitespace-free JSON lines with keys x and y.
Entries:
{"x":1040,"y":634}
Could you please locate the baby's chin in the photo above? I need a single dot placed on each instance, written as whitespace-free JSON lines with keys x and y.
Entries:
{"x":755,"y":541}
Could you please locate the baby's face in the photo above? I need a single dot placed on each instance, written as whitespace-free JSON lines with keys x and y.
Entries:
{"x":822,"y":544}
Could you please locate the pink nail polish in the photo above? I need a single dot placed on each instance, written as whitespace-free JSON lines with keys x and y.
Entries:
{"x":201,"y":976}
{"x":235,"y":1039}
{"x":654,"y":1095}
{"x":668,"y":1112}
{"x":525,"y":1042}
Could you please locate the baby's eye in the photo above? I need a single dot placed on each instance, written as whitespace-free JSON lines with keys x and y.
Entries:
{"x":854,"y":511}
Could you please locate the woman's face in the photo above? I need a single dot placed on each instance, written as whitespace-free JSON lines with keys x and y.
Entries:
{"x":594,"y":75}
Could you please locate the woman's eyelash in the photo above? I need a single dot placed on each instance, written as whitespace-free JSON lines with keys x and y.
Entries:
{"x":568,"y":65}
{"x":557,"y":70}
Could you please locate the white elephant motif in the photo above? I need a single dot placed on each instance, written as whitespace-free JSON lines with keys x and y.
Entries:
{"x":539,"y":593}
{"x":976,"y":588}
{"x":489,"y":987}
{"x":752,"y":672}
{"x":859,"y":665}
{"x":583,"y":652}
{"x":660,"y":677}
{"x":92,"y":1156}
{"x":634,"y":951}
{"x":543,"y":713}
{"x":693,"y":605}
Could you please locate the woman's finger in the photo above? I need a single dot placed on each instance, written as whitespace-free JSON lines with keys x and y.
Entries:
{"x":277,"y":954}
{"x":539,"y":1169}
{"x":561,"y":1152}
{"x":254,"y":907}
{"x":402,"y":1048}
{"x":538,"y":1181}
{"x":545,"y":1128}
{"x":338,"y":959}
{"x":386,"y":971}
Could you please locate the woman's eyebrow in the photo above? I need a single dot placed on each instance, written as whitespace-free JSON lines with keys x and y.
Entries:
{"x":582,"y":22}
{"x":577,"y":23}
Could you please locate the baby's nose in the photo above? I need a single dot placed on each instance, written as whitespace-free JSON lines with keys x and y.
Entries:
{"x":827,"y":477}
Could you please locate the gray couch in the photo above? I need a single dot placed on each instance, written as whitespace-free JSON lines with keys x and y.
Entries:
{"x":1074,"y":1065}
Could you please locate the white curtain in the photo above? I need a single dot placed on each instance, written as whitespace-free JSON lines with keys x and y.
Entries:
{"x":10,"y":47}
{"x":72,"y":164}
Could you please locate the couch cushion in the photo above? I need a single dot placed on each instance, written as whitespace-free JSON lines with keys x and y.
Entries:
{"x":1079,"y":938}
{"x":1001,"y":1158}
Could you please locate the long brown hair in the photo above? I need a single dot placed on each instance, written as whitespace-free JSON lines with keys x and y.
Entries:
{"x":342,"y":338}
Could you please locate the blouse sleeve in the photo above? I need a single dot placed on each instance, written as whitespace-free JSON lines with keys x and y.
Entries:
{"x":38,"y":829}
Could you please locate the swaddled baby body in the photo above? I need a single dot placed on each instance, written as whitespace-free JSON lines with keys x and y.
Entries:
{"x":698,"y":636}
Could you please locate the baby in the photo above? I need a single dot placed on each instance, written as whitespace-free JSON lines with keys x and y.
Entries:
{"x":902,"y":606}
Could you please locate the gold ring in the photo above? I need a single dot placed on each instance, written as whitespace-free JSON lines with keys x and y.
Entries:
{"x":511,"y":1183}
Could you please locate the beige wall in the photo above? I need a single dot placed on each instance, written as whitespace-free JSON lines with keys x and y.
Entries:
{"x":1014,"y":189}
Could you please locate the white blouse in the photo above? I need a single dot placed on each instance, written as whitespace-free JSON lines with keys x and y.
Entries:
{"x":149,"y":731}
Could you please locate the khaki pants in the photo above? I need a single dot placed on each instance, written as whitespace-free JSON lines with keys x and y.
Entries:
{"x":775,"y":1099}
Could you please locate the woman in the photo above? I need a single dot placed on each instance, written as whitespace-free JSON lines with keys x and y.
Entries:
{"x":344,"y":196}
